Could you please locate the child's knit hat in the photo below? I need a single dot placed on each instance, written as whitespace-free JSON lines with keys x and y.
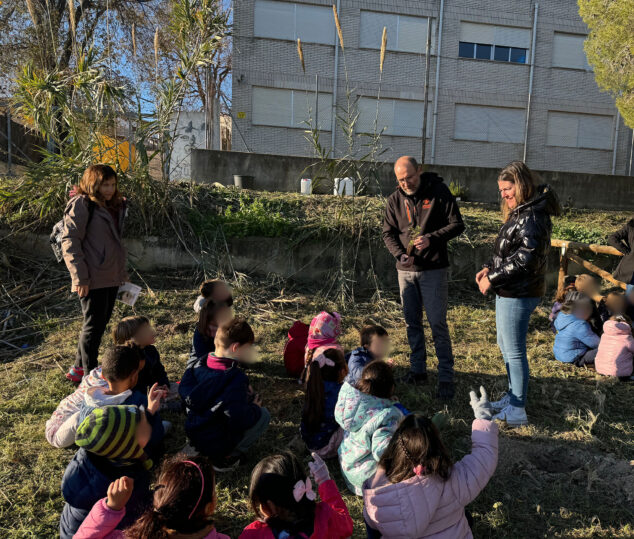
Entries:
{"x":110,"y":432}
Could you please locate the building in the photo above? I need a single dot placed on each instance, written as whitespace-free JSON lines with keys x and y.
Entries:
{"x":485,"y":63}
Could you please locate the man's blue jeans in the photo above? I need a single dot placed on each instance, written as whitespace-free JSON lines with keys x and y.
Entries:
{"x":511,"y":319}
{"x":427,"y":289}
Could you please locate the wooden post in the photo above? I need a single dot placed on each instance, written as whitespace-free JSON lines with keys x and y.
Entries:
{"x":595,"y":269}
{"x":563,"y":271}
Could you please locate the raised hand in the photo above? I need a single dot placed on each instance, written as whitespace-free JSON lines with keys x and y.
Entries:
{"x":119,"y":492}
{"x":482,"y":408}
{"x":318,"y":469}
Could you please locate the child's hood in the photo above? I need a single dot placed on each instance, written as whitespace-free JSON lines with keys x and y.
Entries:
{"x":360,"y":353}
{"x":96,"y":397}
{"x":402,"y":509}
{"x":203,"y":386}
{"x":617,"y":327}
{"x":564,"y":320}
{"x":357,"y":408}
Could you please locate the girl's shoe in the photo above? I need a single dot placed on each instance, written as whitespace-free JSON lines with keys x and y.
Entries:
{"x":75,"y":374}
{"x":513,"y":415}
{"x":502,"y":403}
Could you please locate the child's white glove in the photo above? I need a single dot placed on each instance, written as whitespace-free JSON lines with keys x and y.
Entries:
{"x":318,"y":469}
{"x":482,"y":408}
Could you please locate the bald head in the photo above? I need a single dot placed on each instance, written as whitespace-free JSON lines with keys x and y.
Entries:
{"x":407,"y":172}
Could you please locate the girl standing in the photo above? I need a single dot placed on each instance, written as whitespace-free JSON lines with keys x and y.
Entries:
{"x":319,"y":430}
{"x":95,"y":257}
{"x":516,"y":273}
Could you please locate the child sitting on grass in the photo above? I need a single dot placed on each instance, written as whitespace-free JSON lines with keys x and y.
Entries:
{"x":120,"y":368}
{"x":215,"y":310}
{"x":283,"y":499}
{"x":182,"y":506}
{"x":323,"y":332}
{"x":575,"y":341}
{"x":417,"y":491}
{"x":588,"y":285}
{"x":375,"y":344}
{"x":318,"y":427}
{"x":61,"y":427}
{"x":616,"y":350}
{"x":111,"y":443}
{"x":137,"y":331}
{"x":224,"y":415}
{"x":614,"y":304}
{"x":369,"y":417}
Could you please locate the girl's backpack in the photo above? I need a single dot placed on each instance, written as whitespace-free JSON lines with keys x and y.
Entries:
{"x":55,"y":239}
{"x":294,"y":349}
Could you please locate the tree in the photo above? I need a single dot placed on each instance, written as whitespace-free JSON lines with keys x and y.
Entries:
{"x":610,"y":49}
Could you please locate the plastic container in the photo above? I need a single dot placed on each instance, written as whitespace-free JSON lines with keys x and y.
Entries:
{"x":344,"y":187}
{"x":306,"y":186}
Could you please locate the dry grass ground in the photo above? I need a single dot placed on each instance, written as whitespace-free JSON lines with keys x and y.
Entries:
{"x":566,"y":475}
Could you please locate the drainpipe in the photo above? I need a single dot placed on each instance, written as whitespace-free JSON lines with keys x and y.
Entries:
{"x":437,"y":79}
{"x":530,"y":82}
{"x":616,"y":141}
{"x":335,"y":84}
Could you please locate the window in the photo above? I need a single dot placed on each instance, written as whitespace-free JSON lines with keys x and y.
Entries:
{"x":568,"y":51}
{"x":488,"y":42}
{"x":284,"y":20}
{"x":404,"y":33}
{"x":290,"y":108}
{"x":579,"y":130}
{"x":398,"y":117}
{"x":490,"y":124}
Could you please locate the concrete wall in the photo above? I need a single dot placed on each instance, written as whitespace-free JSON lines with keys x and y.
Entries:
{"x":283,"y":173}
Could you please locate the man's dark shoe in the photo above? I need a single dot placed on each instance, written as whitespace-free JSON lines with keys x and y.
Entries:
{"x":445,"y":391}
{"x":413,"y":378}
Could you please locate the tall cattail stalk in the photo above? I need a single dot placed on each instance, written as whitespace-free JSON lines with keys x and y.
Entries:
{"x":156,"y":51}
{"x":338,"y":25}
{"x":383,"y":47}
{"x":134,"y":39}
{"x":300,"y":53}
{"x":72,"y":19}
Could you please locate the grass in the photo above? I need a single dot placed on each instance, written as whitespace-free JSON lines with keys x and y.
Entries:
{"x":566,"y":475}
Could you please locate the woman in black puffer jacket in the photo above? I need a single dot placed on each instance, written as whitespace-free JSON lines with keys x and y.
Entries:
{"x":517,"y":275}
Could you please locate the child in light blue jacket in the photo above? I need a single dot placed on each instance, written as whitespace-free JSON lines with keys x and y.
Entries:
{"x":369,"y":417}
{"x":575,"y":341}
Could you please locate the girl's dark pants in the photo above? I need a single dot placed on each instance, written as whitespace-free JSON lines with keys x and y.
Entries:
{"x":97,"y":309}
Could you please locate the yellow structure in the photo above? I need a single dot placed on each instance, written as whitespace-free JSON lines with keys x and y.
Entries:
{"x":117,"y":153}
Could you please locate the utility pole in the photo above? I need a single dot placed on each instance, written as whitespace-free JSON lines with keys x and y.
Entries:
{"x":427,"y":48}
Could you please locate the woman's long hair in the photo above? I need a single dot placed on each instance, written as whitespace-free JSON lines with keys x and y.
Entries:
{"x":273,"y":480}
{"x":314,"y":401}
{"x":415,"y":443}
{"x":91,"y":181}
{"x":525,"y":184}
{"x":179,"y":500}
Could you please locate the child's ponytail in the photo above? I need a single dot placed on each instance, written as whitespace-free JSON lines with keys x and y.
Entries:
{"x":186,"y":486}
{"x":332,"y":368}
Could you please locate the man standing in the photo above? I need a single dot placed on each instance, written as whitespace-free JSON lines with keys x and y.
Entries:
{"x":420,"y":218}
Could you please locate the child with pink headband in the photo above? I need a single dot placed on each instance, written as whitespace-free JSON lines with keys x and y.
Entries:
{"x":183,"y":505}
{"x":323,"y":332}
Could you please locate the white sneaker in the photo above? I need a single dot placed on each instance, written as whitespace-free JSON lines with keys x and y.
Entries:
{"x":513,"y":415}
{"x":502,"y":403}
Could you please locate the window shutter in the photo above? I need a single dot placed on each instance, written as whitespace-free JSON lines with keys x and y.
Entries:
{"x":477,"y":33}
{"x":371,"y":29}
{"x":470,"y":123}
{"x":595,"y":131}
{"x":272,"y":106}
{"x":412,"y":34}
{"x":274,"y":19}
{"x":315,"y":24}
{"x":561,"y":129}
{"x":505,"y":124}
{"x":512,"y":37}
{"x":568,"y":51}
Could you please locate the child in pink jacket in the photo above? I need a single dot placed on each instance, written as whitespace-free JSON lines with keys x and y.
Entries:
{"x":182,"y":506}
{"x":283,"y":498}
{"x":616,"y":348}
{"x":417,"y":492}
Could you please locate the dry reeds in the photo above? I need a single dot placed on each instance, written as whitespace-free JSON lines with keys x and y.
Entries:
{"x":338,"y":25}
{"x":300,"y":53}
{"x":134,"y":39}
{"x":156,"y":50}
{"x":383,"y":47}
{"x":72,"y":18}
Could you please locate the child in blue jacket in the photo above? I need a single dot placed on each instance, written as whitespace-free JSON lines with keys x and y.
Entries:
{"x":111,"y":444}
{"x":224,"y":415}
{"x":575,"y":341}
{"x":375,"y":344}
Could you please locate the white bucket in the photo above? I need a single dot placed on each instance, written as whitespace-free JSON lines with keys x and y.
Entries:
{"x":344,"y":187}
{"x":306,"y":186}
